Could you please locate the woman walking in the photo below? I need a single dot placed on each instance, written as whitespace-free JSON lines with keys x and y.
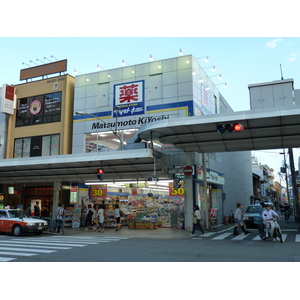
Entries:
{"x":238,"y":219}
{"x":100,"y":217}
{"x":118,"y":218}
{"x":197,"y":220}
{"x":89,"y":216}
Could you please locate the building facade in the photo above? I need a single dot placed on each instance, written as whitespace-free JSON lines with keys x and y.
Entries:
{"x":127,"y":98}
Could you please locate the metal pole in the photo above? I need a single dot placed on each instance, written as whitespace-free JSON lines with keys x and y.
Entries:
{"x":295,"y":188}
{"x":205,"y":189}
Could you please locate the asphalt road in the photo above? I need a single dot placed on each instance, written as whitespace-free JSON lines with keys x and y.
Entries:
{"x":217,"y":246}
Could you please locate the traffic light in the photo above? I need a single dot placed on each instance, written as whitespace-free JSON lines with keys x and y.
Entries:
{"x":100,"y":174}
{"x":237,"y":127}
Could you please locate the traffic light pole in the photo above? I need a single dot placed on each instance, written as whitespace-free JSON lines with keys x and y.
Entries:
{"x":295,"y":188}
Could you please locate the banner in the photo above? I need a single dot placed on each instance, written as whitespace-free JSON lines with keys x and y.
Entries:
{"x":98,"y":192}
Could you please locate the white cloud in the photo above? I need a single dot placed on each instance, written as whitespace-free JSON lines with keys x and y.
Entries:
{"x":293,"y":57}
{"x":273,"y":44}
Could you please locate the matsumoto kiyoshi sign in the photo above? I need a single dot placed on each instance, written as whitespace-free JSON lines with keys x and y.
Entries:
{"x":131,"y":122}
{"x":130,"y":97}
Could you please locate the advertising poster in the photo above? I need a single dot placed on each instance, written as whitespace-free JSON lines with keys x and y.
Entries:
{"x":73,"y":194}
{"x":33,"y":204}
{"x":98,"y":192}
{"x":1,"y":201}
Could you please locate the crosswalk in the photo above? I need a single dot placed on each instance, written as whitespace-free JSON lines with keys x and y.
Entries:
{"x":253,"y":236}
{"x":11,"y":249}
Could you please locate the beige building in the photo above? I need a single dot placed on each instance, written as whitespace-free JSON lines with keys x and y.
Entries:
{"x":43,"y":119}
{"x":41,"y":125}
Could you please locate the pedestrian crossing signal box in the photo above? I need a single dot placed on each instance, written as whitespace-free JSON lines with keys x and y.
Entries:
{"x":100,"y":174}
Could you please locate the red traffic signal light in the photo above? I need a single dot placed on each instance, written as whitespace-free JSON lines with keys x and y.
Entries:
{"x":238,"y":127}
{"x":230,"y":127}
{"x":100,"y":171}
{"x":100,"y":174}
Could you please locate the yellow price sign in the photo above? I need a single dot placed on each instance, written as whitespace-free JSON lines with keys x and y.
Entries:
{"x":98,"y":191}
{"x":175,"y":193}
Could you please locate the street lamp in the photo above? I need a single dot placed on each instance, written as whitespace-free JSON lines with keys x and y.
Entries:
{"x":117,"y":108}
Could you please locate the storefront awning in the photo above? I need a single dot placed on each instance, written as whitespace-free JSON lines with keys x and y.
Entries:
{"x":117,"y":165}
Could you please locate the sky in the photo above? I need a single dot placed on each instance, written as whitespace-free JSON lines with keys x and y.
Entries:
{"x":245,"y":47}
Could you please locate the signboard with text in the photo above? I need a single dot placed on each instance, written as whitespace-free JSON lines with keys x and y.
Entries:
{"x":8,"y":96}
{"x":130,"y":98}
{"x":176,"y":193}
{"x":98,"y":192}
{"x":73,"y":194}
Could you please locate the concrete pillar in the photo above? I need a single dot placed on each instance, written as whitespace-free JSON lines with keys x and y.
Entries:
{"x":188,"y":195}
{"x":56,"y":189}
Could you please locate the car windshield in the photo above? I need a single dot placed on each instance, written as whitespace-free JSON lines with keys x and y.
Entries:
{"x":253,"y":209}
{"x":17,"y":213}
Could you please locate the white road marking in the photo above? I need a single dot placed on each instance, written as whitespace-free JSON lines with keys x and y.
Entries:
{"x":240,"y":236}
{"x":222,"y":236}
{"x":6,"y":258}
{"x":27,"y":250}
{"x":17,"y":253}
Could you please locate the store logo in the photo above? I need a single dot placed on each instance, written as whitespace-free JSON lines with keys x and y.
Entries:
{"x":35,"y":107}
{"x":130,"y":98}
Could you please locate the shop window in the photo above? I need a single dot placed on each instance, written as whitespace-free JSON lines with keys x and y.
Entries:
{"x":47,"y":145}
{"x":39,"y":109}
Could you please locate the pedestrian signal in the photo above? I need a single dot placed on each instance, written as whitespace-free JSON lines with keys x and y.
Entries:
{"x":237,"y":127}
{"x":100,"y":174}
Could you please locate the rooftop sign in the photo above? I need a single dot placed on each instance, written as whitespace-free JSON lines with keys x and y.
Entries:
{"x":46,"y":69}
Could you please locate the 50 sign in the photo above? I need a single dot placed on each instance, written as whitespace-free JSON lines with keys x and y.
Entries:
{"x":98,"y":191}
{"x":175,"y":193}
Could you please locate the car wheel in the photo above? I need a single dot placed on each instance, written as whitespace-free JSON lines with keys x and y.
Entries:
{"x":17,"y":230}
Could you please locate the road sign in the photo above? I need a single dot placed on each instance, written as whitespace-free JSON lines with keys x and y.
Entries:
{"x":188,"y":170}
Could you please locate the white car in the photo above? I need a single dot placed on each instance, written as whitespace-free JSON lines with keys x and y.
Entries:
{"x":16,"y":222}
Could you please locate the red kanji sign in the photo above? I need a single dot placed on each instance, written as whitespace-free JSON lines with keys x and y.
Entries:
{"x":129,"y":93}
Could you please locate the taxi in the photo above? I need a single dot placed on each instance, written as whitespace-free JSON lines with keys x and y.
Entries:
{"x":16,"y":222}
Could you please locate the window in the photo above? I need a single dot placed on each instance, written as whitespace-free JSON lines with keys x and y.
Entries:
{"x":47,"y":145}
{"x":39,"y":109}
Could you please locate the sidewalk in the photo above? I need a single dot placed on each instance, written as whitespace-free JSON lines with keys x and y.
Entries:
{"x":160,"y":233}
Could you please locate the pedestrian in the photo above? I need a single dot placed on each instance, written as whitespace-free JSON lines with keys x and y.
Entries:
{"x":238,"y":219}
{"x":59,"y":217}
{"x":100,"y":217}
{"x":37,"y":210}
{"x":118,"y":217}
{"x":197,"y":220}
{"x":89,"y":217}
{"x":95,"y":217}
{"x":28,"y":211}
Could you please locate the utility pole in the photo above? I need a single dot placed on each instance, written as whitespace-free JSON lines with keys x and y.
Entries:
{"x":295,"y":188}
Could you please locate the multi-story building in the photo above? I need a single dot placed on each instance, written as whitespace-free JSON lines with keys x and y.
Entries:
{"x":40,"y":125}
{"x":111,"y":105}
